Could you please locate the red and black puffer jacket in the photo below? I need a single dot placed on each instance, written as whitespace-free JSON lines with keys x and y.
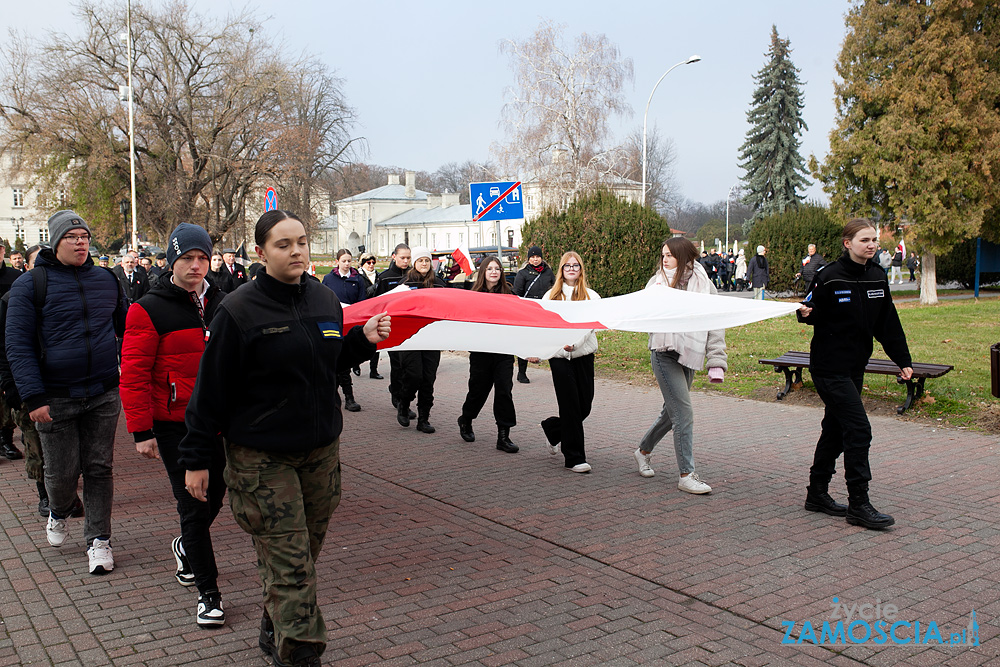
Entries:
{"x":165,"y":337}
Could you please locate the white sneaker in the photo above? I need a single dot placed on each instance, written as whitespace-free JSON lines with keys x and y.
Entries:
{"x":692,"y":484}
{"x":581,"y":467}
{"x":643,"y":461}
{"x":55,"y":531}
{"x":101,"y":560}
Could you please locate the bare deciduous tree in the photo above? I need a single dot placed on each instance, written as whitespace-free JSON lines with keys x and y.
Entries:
{"x":663,"y":191}
{"x":558,"y":113}
{"x":220,"y":113}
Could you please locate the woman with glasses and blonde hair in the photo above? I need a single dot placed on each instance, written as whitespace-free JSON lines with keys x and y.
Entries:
{"x":675,"y":358}
{"x":572,"y":371}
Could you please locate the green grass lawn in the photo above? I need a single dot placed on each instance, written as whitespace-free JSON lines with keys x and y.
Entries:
{"x":954,"y":332}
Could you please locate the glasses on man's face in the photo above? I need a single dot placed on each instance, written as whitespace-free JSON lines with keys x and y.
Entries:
{"x":78,"y":238}
{"x":572,"y":267}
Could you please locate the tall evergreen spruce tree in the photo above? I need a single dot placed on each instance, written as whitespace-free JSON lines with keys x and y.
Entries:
{"x":775,"y":172}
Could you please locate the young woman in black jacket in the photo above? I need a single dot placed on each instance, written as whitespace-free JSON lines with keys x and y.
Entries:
{"x":282,"y":340}
{"x":490,"y":371}
{"x":419,"y":367}
{"x":849,"y":303}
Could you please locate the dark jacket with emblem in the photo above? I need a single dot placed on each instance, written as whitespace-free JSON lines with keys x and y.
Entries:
{"x":83,"y":313}
{"x":851,"y":304}
{"x":284,"y":342}
{"x":531,"y":283}
{"x":163,"y":345}
{"x":388,"y":280}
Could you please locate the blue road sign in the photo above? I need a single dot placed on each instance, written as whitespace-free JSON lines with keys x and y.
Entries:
{"x":496,"y":201}
{"x":270,"y":200}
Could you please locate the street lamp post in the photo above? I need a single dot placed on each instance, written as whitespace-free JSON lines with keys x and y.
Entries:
{"x":131,"y":125}
{"x":692,"y":59}
{"x":728,"y":197}
{"x":123,"y":207}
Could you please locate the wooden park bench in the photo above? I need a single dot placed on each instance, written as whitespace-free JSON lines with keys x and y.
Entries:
{"x":791,"y":364}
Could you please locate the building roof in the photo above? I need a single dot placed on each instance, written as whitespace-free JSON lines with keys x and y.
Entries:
{"x":430,"y":216}
{"x":329,"y":222}
{"x":390,"y":192}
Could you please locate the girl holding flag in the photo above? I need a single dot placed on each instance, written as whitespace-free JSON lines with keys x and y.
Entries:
{"x":419,"y":366}
{"x":490,"y":371}
{"x":572,"y":371}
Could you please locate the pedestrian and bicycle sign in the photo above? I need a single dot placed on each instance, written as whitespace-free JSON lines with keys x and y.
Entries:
{"x":496,"y":201}
{"x":270,"y":200}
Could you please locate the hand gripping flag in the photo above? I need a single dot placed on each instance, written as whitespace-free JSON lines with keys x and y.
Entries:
{"x":454,"y":319}
{"x":464,"y":259}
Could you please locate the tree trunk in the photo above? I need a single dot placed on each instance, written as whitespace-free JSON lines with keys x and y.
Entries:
{"x":928,"y":279}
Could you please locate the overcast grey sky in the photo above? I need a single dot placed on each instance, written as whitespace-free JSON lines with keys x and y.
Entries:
{"x":427,"y":80}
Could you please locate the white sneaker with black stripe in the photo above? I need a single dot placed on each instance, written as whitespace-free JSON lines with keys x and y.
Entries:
{"x":210,"y":613}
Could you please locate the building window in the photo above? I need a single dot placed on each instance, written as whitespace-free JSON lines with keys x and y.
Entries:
{"x":19,"y":232}
{"x":447,"y":240}
{"x":18,"y":197}
{"x":529,"y":202}
{"x":43,"y":234}
{"x":460,"y":235}
{"x":434,"y":240}
{"x":62,"y":197}
{"x":475,"y":239}
{"x":40,"y":199}
{"x":354,"y":215}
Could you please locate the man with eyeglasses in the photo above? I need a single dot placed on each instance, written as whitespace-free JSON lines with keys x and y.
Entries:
{"x":61,"y":342}
{"x":134,"y":282}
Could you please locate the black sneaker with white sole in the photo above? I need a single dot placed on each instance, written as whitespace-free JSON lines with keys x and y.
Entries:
{"x":210,"y":613}
{"x":184,"y":573}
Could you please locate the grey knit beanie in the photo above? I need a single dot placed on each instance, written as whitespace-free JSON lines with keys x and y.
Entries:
{"x":187,"y":237}
{"x":63,"y":221}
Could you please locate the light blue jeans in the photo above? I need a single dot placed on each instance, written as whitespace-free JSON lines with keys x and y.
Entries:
{"x":677,"y":414}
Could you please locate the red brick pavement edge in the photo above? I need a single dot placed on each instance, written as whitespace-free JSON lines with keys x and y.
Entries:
{"x":448,"y":553}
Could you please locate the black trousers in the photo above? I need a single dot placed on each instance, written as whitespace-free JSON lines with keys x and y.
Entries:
{"x":346,"y":383}
{"x":395,"y":375}
{"x":488,"y":372}
{"x":573,"y":380}
{"x":419,"y":370}
{"x":373,"y":363}
{"x":196,"y":517}
{"x":846,"y":430}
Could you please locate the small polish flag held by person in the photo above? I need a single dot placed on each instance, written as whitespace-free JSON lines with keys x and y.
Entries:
{"x":902,"y":247}
{"x":464,"y":259}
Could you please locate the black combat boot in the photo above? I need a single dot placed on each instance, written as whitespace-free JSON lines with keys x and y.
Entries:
{"x":7,"y":446}
{"x":403,"y":413}
{"x":861,"y":513}
{"x":465,"y":430}
{"x":818,"y":500}
{"x":423,"y":421}
{"x":503,"y":440}
{"x":349,"y":403}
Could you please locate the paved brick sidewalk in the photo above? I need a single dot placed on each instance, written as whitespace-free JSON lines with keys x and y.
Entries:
{"x":448,"y":553}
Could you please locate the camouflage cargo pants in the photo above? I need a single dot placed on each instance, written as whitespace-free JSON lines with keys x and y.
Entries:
{"x":34,"y":464}
{"x":284,"y":501}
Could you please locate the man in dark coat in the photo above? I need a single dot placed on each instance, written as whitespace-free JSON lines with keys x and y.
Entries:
{"x":814,"y":262}
{"x":8,"y":275}
{"x":237,"y":274}
{"x":134,"y":282}
{"x":532,"y":282}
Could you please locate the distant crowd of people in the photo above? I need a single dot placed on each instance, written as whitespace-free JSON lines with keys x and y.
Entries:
{"x":168,"y":338}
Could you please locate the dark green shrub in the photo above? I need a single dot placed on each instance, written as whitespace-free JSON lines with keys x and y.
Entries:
{"x":787,"y":237}
{"x":619,"y":241}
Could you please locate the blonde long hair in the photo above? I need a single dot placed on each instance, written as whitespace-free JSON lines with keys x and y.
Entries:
{"x":580,"y":292}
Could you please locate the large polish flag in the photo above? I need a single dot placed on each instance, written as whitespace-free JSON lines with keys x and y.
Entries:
{"x":455,"y":319}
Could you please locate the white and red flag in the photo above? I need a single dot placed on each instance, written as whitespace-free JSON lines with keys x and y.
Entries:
{"x":464,"y":259}
{"x":902,"y":247}
{"x":455,"y":319}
